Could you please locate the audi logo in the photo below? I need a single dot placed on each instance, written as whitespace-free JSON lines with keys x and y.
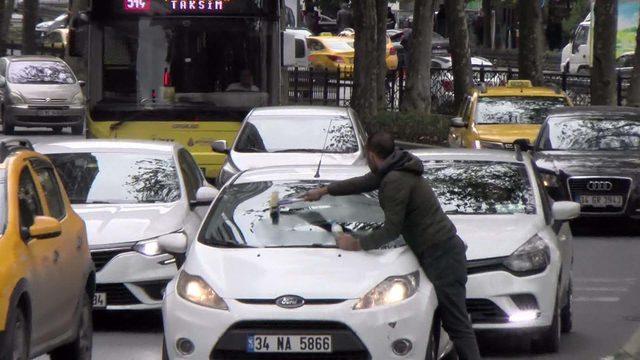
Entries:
{"x":600,"y":185}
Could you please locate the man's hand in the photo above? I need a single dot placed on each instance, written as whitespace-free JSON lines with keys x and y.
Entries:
{"x":348,"y":243}
{"x":316,"y":194}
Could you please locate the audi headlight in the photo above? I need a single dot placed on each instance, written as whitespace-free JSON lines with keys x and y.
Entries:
{"x":194,"y":289}
{"x":148,"y":247}
{"x":78,"y":99}
{"x":550,"y":180}
{"x":391,"y":291}
{"x":534,"y":256}
{"x":16,"y":99}
{"x":481,"y":144}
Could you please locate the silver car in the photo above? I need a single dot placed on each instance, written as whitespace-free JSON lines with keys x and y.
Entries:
{"x":294,"y":135}
{"x":40,"y":91}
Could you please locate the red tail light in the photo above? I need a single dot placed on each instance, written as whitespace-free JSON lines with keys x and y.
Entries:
{"x":312,"y":58}
{"x":336,"y":59}
{"x":166,"y":78}
{"x":393,"y":51}
{"x":447,"y":85}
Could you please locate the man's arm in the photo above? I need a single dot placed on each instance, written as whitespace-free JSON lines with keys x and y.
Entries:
{"x":394,"y":198}
{"x":357,"y":185}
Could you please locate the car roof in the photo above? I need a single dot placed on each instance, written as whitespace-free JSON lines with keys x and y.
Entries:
{"x":300,"y":111}
{"x":468,"y":154}
{"x":301,"y":173}
{"x":592,"y":110}
{"x":521,"y":91}
{"x":33,"y":58}
{"x":128,"y":146}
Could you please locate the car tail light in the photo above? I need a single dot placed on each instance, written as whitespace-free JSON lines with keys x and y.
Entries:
{"x":393,"y":51}
{"x":166,"y":78}
{"x":447,"y":85}
{"x":336,"y":59}
{"x":312,"y":58}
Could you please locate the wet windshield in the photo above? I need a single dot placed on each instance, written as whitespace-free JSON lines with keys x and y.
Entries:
{"x":241,"y":217}
{"x":40,"y":72}
{"x":589,"y":133}
{"x":118,"y":178}
{"x":515,"y":110}
{"x":277,"y":134}
{"x":481,"y":187}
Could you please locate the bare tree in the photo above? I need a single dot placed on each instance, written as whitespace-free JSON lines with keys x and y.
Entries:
{"x":530,"y":51}
{"x":634,"y":93}
{"x":381,"y":52}
{"x":365,"y":76}
{"x":603,"y":75}
{"x":460,"y":56}
{"x":418,"y":89}
{"x":29,"y":20}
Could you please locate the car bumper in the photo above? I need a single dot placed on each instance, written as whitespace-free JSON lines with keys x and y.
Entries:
{"x":132,"y":281}
{"x":26,"y":115}
{"x":365,"y":334}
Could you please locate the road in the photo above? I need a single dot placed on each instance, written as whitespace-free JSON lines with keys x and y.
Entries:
{"x":606,"y":306}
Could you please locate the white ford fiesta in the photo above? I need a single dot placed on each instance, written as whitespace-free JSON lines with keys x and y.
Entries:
{"x":267,"y":282}
{"x":520,"y":250}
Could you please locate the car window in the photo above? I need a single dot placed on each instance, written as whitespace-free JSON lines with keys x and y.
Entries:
{"x":582,"y":35}
{"x":52,"y":192}
{"x":28,"y":199}
{"x":40,"y":72}
{"x":591,"y":133}
{"x":191,"y":173}
{"x":515,"y":109}
{"x":300,"y":48}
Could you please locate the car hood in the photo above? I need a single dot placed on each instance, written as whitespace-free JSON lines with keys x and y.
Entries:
{"x":508,"y":133}
{"x":247,"y":161}
{"x":599,"y":163}
{"x":43,"y":91}
{"x":113,"y":224}
{"x":491,"y":236}
{"x":271,"y":273}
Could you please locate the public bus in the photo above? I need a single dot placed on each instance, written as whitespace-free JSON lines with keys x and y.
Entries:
{"x":178,"y":70}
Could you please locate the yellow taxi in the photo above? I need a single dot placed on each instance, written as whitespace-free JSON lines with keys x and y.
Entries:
{"x":337,"y":53}
{"x":46,"y":273}
{"x":494,"y":117}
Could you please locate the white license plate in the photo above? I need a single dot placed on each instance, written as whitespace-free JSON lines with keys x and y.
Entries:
{"x":289,"y":344}
{"x":100,"y":300}
{"x":601,"y":201}
{"x":49,"y":112}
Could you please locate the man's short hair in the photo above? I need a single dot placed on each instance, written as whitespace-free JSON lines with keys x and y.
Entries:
{"x":381,"y":144}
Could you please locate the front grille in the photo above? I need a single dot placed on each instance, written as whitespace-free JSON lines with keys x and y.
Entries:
{"x":54,"y":119}
{"x":117,"y":294}
{"x":485,"y":311}
{"x":102,"y":257}
{"x":40,"y":107}
{"x":306,"y":301}
{"x":619,"y":186}
{"x":44,"y":100}
{"x":154,"y":289}
{"x":525,"y":301}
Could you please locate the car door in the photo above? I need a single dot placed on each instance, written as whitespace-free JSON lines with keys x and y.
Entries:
{"x":193,"y":180}
{"x":457,"y":135}
{"x":69,"y":244}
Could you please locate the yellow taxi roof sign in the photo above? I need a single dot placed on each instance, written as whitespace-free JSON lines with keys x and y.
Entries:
{"x":519,"y":83}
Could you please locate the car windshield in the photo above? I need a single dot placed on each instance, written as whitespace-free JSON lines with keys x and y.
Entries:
{"x":241,"y":217}
{"x":339,"y":45}
{"x":589,"y":133}
{"x":40,"y":72}
{"x":118,"y":178}
{"x":516,"y":109}
{"x":481,"y":187}
{"x":319,"y":134}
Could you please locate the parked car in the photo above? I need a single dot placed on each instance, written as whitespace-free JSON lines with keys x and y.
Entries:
{"x":56,"y":39}
{"x":40,"y":91}
{"x":520,"y":250}
{"x":590,"y":155}
{"x":45,"y":27}
{"x":442,"y":87}
{"x":254,"y":287}
{"x":337,"y":53}
{"x":47,"y":277}
{"x":293,"y":135}
{"x":130,"y":194}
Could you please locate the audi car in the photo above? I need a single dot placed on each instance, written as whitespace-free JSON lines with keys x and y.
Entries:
{"x":520,"y":249}
{"x":590,"y":155}
{"x":265,"y":281}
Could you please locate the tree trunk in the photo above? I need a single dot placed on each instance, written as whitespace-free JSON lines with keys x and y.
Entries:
{"x":4,"y":35}
{"x":459,"y":48}
{"x":381,"y":53}
{"x":531,"y":49}
{"x":418,"y":89}
{"x":603,"y":75}
{"x":486,"y":23}
{"x":365,"y":76}
{"x":30,"y":18}
{"x":634,"y":92}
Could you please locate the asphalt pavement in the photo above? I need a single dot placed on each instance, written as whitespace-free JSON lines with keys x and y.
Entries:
{"x":606,"y":306}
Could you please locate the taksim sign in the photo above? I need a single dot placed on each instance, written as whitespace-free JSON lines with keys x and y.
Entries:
{"x":197,"y":5}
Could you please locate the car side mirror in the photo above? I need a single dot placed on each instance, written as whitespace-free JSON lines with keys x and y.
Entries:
{"x":82,"y":83}
{"x":45,"y":227}
{"x":220,"y":146}
{"x":458,"y":122}
{"x":523,"y":144}
{"x":205,"y":196}
{"x":175,"y":243}
{"x":565,"y":210}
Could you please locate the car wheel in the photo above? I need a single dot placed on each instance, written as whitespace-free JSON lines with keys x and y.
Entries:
{"x":566,"y":317}
{"x":77,"y":129}
{"x":7,"y":129}
{"x":80,"y":348}
{"x":549,"y":340}
{"x":17,"y":337}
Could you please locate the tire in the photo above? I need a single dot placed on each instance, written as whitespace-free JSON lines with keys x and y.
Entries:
{"x":80,"y":348}
{"x":549,"y":341}
{"x":6,"y":128}
{"x":165,"y":356}
{"x":77,"y":129}
{"x":17,"y":336}
{"x":566,"y":316}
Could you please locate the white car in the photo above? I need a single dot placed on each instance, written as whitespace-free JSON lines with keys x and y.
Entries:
{"x":294,"y":135}
{"x":129,"y":194}
{"x":260,"y":285}
{"x":520,"y":249}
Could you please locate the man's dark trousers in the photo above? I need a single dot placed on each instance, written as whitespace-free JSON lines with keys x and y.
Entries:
{"x":445,"y":266}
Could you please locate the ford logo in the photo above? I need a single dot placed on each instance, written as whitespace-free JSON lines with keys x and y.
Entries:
{"x":290,"y":301}
{"x":600,"y":185}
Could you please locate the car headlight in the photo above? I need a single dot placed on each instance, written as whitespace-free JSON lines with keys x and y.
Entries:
{"x":78,"y":99}
{"x":391,"y":291}
{"x":550,"y":180}
{"x":532,"y":257}
{"x":148,"y":247}
{"x":194,"y":289}
{"x":227,"y":172}
{"x":16,"y":98}
{"x":481,"y":144}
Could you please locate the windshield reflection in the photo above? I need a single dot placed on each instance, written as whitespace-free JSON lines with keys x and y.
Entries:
{"x":41,"y":72}
{"x":589,"y":133}
{"x":515,"y":110}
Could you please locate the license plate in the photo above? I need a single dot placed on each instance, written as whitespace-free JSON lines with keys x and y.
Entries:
{"x":289,"y":344}
{"x":49,"y":112}
{"x":100,"y":300}
{"x":601,"y":201}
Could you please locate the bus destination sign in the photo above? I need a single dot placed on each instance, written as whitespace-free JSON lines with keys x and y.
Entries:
{"x":178,"y":6}
{"x":137,"y":5}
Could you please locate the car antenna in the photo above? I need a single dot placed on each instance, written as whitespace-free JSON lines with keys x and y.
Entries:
{"x":317,"y":175}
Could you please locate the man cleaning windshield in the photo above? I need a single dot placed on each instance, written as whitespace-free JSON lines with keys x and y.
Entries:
{"x":412,"y":210}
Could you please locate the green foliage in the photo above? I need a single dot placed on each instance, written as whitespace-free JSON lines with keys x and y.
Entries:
{"x":626,"y":40}
{"x":579,"y":11}
{"x":411,"y":127}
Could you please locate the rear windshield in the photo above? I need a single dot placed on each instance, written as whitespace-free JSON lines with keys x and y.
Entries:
{"x":339,"y":45}
{"x":590,"y":133}
{"x":40,"y":72}
{"x":515,"y":110}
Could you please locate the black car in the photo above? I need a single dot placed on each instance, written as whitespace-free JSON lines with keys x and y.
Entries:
{"x":591,"y":155}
